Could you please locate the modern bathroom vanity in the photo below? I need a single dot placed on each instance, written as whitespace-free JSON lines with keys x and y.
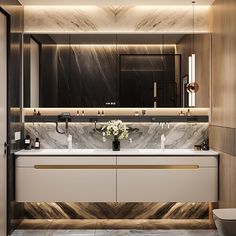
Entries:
{"x":130,"y":175}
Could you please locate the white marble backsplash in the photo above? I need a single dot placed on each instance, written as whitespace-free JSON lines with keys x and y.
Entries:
{"x":61,"y":19}
{"x":143,"y":135}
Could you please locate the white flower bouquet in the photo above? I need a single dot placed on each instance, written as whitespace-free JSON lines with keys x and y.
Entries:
{"x":116,"y":128}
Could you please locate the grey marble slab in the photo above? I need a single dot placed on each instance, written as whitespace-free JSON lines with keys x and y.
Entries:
{"x":143,"y":135}
{"x":115,"y":19}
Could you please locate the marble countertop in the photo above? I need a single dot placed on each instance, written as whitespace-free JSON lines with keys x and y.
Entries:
{"x":109,"y":152}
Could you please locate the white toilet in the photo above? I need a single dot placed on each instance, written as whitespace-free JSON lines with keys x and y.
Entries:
{"x":225,"y":220}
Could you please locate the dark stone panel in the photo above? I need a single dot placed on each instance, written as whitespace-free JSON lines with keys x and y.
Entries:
{"x":78,"y":76}
{"x":88,"y":77}
{"x":26,"y":71}
{"x":66,"y":96}
{"x":84,"y":71}
{"x":14,"y":11}
{"x":139,"y":72}
{"x":48,"y":76}
{"x":95,"y":74}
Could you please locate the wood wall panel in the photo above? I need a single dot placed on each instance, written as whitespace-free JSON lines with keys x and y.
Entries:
{"x":223,"y":126}
{"x":227,"y":181}
{"x":202,"y":49}
{"x":223,"y":63}
{"x":222,"y":139}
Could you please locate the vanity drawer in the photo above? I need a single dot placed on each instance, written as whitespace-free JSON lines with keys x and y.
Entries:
{"x":167,"y":179}
{"x":65,"y":179}
{"x":163,"y":185}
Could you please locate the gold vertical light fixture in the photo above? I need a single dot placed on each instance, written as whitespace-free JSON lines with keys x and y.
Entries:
{"x":192,"y":86}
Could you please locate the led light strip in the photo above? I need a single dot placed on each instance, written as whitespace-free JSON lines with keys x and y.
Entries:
{"x":192,"y":79}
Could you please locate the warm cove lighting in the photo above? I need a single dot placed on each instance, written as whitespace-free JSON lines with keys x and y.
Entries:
{"x":109,"y":45}
{"x":189,"y":80}
{"x":116,"y":111}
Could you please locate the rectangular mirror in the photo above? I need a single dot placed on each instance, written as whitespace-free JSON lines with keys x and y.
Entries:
{"x":114,"y":70}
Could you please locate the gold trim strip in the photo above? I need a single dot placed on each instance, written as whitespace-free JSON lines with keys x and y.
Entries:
{"x":122,"y":167}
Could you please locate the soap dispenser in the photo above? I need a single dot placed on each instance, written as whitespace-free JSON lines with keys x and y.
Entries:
{"x":37,"y":144}
{"x":205,"y":146}
{"x":27,"y":142}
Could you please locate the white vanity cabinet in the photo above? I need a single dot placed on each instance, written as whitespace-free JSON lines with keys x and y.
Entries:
{"x":65,"y":178}
{"x":125,"y":176}
{"x":167,"y":179}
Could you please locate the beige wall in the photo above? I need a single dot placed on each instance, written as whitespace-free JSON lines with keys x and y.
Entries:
{"x":202,"y":49}
{"x":223,"y":126}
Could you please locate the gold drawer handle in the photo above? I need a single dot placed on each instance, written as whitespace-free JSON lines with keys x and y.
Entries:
{"x":122,"y":167}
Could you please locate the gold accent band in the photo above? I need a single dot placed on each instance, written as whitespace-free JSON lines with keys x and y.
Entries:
{"x":122,"y":167}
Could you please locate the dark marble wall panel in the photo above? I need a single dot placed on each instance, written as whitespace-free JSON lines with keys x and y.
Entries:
{"x":15,"y":18}
{"x":95,"y":67}
{"x":88,"y":75}
{"x":26,"y":53}
{"x":48,"y":76}
{"x":64,"y":92}
{"x":63,"y":210}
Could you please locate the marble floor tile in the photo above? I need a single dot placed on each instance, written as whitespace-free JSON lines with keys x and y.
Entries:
{"x":115,"y":233}
{"x":54,"y":232}
{"x":202,"y":233}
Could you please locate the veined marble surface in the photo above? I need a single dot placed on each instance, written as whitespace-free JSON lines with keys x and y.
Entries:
{"x":115,"y":19}
{"x":116,"y":210}
{"x":143,"y":135}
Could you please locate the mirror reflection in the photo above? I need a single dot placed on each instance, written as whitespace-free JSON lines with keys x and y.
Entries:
{"x":114,"y":70}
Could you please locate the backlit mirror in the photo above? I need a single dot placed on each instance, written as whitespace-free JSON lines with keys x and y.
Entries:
{"x":114,"y":70}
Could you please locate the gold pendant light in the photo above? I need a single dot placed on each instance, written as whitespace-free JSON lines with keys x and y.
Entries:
{"x":192,"y":87}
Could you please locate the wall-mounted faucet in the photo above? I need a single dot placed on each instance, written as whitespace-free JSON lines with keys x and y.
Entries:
{"x":69,"y":141}
{"x":163,"y":139}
